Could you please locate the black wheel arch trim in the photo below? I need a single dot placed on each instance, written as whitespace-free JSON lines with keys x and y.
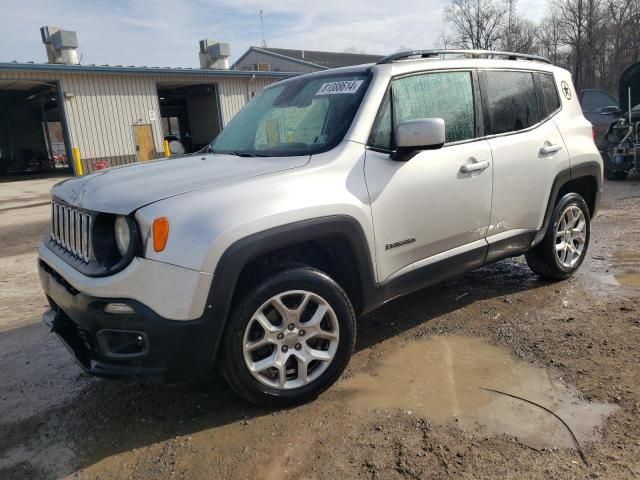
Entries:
{"x":243,"y":251}
{"x":591,"y":169}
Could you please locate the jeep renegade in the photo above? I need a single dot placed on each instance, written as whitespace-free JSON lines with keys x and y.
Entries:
{"x":328,"y":195}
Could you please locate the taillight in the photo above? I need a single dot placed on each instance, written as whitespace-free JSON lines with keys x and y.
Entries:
{"x":593,"y":132}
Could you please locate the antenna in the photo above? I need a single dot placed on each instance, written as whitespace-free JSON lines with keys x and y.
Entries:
{"x":264,"y":42}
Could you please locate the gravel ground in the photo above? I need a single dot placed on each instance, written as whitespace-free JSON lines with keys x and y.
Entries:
{"x":572,"y":346}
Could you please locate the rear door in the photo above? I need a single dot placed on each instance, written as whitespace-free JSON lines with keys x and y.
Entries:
{"x":430,"y":204}
{"x":528,"y":150}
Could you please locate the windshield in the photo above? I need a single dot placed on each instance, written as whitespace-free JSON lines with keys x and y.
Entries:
{"x":298,"y":117}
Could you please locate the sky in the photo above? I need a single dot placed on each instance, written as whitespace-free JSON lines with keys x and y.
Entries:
{"x":166,"y":32}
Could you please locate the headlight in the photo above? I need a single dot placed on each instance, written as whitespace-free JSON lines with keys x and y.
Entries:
{"x":122,"y":232}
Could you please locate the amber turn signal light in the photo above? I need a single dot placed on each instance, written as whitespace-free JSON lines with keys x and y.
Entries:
{"x":160,"y":233}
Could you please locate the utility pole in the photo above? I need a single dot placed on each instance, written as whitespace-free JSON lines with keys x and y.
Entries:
{"x":510,"y":21}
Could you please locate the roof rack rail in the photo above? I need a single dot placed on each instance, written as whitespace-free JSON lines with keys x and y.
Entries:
{"x":468,"y":53}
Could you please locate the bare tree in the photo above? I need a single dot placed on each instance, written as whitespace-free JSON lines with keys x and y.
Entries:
{"x":594,"y":39}
{"x":444,"y":40}
{"x":549,"y":38}
{"x":580,"y":26}
{"x":477,"y":24}
{"x":521,"y":36}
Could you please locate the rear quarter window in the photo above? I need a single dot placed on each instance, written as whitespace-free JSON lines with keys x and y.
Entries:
{"x":512,"y":101}
{"x":549,"y":93}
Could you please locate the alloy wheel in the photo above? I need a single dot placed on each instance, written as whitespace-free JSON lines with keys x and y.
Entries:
{"x":291,"y":339}
{"x":571,"y":234}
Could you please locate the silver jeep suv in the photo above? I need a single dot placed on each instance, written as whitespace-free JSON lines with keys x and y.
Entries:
{"x":328,"y":195}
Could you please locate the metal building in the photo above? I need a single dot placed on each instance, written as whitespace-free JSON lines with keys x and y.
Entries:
{"x":302,"y":61}
{"x":113,"y":115}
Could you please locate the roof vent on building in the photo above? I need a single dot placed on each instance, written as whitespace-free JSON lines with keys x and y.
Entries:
{"x":214,"y":55}
{"x":61,"y":45}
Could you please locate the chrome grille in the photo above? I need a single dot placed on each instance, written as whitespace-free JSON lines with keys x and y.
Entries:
{"x":71,"y":229}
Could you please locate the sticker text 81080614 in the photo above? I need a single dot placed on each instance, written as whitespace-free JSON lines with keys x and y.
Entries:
{"x":334,"y":88}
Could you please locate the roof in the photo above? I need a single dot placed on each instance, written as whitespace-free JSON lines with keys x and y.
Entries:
{"x":315,"y":58}
{"x":53,"y":67}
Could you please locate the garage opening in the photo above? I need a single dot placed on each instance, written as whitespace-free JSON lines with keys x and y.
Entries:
{"x":32,"y":132}
{"x":190,"y":115}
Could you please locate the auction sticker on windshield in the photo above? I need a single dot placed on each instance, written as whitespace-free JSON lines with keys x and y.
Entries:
{"x":333,"y":88}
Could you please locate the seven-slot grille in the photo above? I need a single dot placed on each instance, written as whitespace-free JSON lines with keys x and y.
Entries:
{"x":71,"y":229}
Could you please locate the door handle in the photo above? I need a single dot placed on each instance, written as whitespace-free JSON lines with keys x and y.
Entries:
{"x":548,"y":149}
{"x":474,"y":167}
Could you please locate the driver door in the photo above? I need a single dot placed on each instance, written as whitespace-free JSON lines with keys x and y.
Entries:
{"x":428,"y":208}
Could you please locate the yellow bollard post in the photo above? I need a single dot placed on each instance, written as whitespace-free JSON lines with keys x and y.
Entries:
{"x":77,"y":161}
{"x":167,"y":151}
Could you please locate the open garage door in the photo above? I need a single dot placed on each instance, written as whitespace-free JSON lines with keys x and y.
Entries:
{"x":190,"y":115}
{"x":32,"y":130}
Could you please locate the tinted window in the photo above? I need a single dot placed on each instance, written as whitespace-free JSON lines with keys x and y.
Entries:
{"x":381,"y":132}
{"x":550,"y":93}
{"x":594,"y":101}
{"x":447,"y":95}
{"x":512,"y":101}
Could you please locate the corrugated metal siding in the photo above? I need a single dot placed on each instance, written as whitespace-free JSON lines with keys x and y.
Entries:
{"x":103,"y":108}
{"x":277,"y":64}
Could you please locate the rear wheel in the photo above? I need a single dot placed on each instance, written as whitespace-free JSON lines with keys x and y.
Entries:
{"x":565,"y":243}
{"x":289,"y":339}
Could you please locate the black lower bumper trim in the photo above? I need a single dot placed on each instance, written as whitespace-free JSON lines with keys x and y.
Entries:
{"x":173,"y":349}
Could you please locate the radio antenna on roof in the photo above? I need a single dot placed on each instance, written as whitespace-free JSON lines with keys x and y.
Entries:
{"x":264,"y":42}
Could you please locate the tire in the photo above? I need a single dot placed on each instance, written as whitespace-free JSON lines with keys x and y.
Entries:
{"x":615,"y":175}
{"x":296,"y":349}
{"x":544,"y":258}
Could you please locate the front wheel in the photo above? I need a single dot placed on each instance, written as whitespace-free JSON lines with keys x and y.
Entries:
{"x":565,"y":243}
{"x":289,"y":339}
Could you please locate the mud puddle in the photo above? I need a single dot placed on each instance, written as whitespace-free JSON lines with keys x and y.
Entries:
{"x":442,"y":379}
{"x":626,"y":265}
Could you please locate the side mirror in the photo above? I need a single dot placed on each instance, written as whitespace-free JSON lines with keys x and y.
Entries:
{"x":610,"y":110}
{"x":419,"y":134}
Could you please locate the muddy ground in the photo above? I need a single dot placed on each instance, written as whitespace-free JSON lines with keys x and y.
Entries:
{"x":411,"y":404}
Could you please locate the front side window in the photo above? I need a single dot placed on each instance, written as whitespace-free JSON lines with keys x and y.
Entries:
{"x":298,"y":117}
{"x":511,"y":97}
{"x":446,"y":95}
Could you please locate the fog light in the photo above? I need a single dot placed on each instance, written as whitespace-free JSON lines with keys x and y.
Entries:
{"x":118,"y":308}
{"x":122,"y":343}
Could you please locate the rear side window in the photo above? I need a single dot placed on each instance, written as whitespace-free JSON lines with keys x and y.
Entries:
{"x":512,"y":102}
{"x":446,"y":95}
{"x":549,"y":92}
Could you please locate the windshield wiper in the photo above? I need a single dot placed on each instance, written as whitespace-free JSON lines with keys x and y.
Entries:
{"x":247,"y":154}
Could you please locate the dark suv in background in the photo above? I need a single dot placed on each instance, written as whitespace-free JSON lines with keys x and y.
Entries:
{"x":601,"y":109}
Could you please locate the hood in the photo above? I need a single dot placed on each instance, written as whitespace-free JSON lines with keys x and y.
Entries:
{"x":124,"y":189}
{"x":630,"y":78}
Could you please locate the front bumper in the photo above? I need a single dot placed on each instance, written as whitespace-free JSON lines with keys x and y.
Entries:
{"x":168,"y":350}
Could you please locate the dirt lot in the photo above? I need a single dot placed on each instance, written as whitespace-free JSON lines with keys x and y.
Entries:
{"x":412,"y":403}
